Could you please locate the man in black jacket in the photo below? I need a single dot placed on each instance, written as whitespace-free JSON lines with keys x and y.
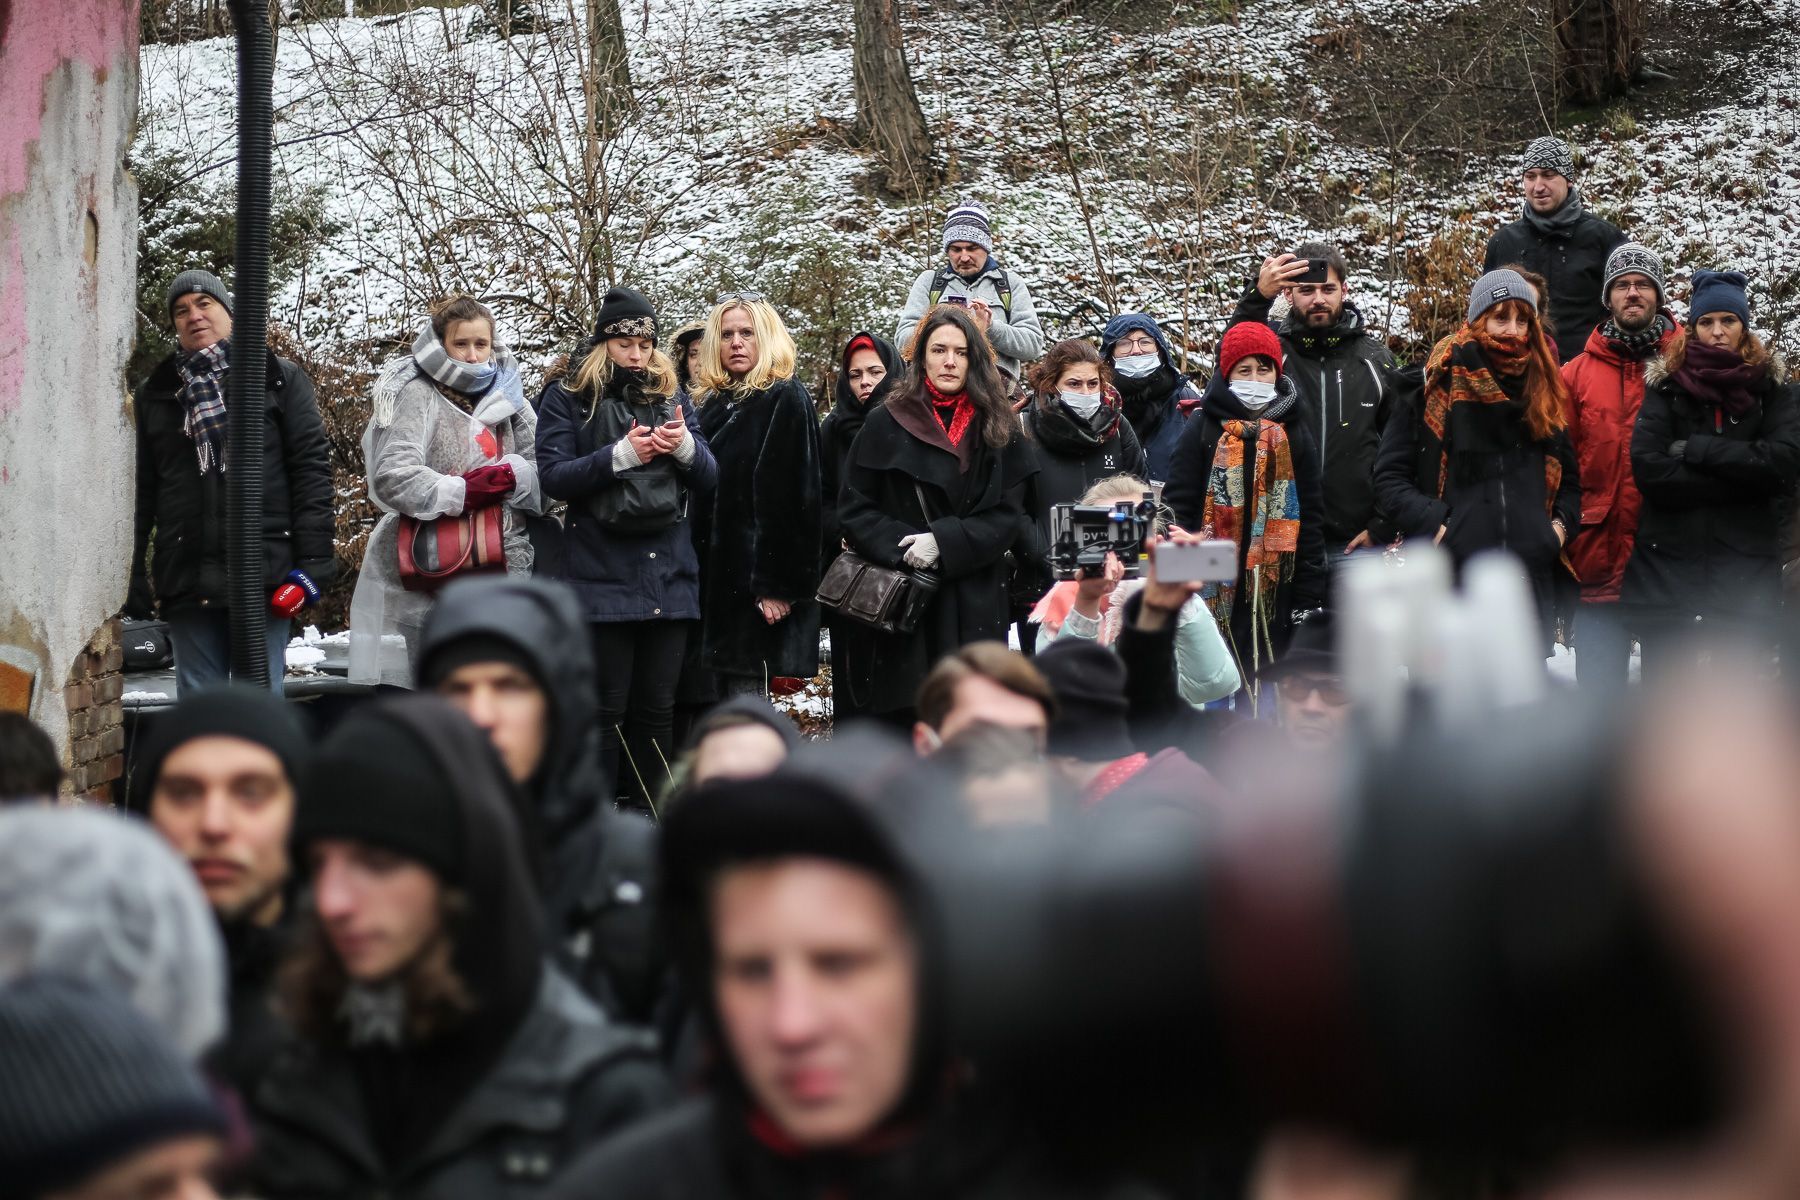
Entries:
{"x":1341,"y":372}
{"x":217,"y":781}
{"x":1559,"y":239}
{"x":439,"y":1051}
{"x":497,"y":648}
{"x":181,"y":530}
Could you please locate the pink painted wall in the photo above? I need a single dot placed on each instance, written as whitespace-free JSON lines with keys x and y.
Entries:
{"x":68,"y":260}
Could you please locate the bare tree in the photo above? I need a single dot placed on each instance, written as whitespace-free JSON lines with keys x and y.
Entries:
{"x":606,"y":76}
{"x":888,"y":116}
{"x":1599,"y":47}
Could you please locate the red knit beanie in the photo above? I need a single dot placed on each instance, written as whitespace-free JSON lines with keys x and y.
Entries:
{"x":1247,"y":338}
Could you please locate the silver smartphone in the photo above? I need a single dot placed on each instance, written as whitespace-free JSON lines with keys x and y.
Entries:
{"x":1196,"y":562}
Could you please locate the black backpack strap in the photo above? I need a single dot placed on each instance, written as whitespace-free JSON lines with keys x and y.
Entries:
{"x":939,"y":283}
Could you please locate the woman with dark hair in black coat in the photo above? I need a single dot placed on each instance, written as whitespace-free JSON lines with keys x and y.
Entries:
{"x":937,"y":481}
{"x":1715,"y":453}
{"x":761,"y":563}
{"x":870,"y":369}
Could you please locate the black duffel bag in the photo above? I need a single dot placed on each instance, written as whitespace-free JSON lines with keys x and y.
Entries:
{"x":147,"y":646}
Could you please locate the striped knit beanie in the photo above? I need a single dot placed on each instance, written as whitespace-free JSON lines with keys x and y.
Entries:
{"x":968,"y":222}
{"x":88,"y":1083}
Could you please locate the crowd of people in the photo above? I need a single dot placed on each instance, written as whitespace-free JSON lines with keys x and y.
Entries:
{"x":578,"y":913}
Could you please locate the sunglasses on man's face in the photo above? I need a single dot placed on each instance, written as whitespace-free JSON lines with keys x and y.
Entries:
{"x":1329,"y":687}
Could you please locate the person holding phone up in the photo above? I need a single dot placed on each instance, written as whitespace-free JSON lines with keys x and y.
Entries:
{"x":1343,"y":373}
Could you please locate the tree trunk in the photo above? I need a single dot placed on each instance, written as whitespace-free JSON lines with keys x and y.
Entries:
{"x":1599,"y":47}
{"x":888,"y":116}
{"x":608,"y":81}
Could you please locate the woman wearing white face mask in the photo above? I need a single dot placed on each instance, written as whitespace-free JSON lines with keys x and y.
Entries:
{"x":1247,"y":471}
{"x":1076,"y":428}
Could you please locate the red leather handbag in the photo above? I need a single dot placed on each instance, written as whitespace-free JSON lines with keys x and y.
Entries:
{"x":432,"y":553}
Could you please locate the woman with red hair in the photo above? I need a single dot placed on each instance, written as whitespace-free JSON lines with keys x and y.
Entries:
{"x":1482,"y":460}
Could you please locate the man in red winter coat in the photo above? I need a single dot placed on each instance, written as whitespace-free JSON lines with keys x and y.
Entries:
{"x":1606,"y":388}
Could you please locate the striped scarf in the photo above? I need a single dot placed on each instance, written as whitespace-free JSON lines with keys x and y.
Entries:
{"x":203,"y":403}
{"x":1470,"y":417}
{"x":1265,"y":525}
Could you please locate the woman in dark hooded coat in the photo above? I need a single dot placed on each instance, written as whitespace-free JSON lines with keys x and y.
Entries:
{"x":870,"y":369}
{"x":937,"y":480}
{"x":1157,"y":397}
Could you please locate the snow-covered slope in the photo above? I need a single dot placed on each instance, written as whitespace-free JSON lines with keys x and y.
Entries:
{"x":453,"y":158}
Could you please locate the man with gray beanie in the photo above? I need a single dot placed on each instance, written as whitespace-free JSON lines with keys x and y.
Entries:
{"x":95,"y":1102}
{"x":1559,"y":239}
{"x":182,"y":526}
{"x":1606,"y":390}
{"x":972,"y":278}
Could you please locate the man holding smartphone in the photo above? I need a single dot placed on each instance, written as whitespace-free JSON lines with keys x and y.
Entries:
{"x":972,"y":278}
{"x":1343,"y":373}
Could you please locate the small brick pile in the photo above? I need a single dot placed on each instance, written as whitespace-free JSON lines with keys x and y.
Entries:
{"x":97,"y":715}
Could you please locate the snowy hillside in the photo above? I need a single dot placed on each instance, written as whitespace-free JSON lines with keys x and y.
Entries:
{"x":451,"y":158}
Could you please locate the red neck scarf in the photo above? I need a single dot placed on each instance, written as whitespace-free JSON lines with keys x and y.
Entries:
{"x":954,"y":411}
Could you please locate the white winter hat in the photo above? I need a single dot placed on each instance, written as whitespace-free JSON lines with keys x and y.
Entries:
{"x":91,"y":895}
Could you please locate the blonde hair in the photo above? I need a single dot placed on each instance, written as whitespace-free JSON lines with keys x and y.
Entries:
{"x":775,"y":353}
{"x":596,"y":371}
{"x":1126,"y":487}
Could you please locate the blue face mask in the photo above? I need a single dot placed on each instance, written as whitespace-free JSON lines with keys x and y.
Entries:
{"x":1082,"y":404}
{"x":1137,"y":366}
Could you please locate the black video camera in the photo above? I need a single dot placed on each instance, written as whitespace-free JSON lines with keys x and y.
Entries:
{"x":1081,"y":536}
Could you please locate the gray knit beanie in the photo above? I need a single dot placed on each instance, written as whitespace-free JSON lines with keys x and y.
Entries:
{"x":1497,"y":287}
{"x":1633,"y":259}
{"x":88,"y":1083}
{"x":205,"y":282}
{"x":968,"y":222}
{"x":1549,"y":154}
{"x":88,"y":894}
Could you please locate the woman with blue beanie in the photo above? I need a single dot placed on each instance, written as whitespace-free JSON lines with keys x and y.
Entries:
{"x":1716,"y":453}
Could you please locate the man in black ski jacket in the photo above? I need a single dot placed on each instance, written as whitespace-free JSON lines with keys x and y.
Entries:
{"x":178,"y":546}
{"x":1559,"y":239}
{"x":1341,"y":371}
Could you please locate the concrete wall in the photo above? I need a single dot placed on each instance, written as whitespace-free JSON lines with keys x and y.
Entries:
{"x":68,"y":260}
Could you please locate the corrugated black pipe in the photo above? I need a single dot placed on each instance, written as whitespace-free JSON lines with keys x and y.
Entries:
{"x":249,"y":344}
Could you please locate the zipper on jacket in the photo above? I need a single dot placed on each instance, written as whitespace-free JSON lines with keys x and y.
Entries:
{"x":1324,"y":424}
{"x":1505,"y":543}
{"x":1340,"y":394}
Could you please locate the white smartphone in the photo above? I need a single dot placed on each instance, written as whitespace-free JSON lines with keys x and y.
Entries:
{"x":1196,"y":562}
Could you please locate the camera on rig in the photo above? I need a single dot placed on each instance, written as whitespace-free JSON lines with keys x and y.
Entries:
{"x":1081,"y":536}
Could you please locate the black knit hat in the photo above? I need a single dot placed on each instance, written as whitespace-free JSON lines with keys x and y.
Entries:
{"x":252,"y":714}
{"x":1089,"y":682}
{"x":741,"y":709}
{"x":204,"y":283}
{"x":88,"y":1082}
{"x":625,"y":312}
{"x":444,"y":661}
{"x":1313,"y":647}
{"x":375,"y":781}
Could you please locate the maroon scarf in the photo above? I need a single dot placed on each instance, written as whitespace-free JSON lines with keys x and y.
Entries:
{"x":1721,"y":378}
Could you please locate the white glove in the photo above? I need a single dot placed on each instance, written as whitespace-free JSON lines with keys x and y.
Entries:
{"x":921,"y":550}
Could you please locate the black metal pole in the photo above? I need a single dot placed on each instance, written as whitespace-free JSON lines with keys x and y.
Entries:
{"x":249,"y":345}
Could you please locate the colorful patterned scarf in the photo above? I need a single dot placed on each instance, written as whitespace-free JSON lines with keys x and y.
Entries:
{"x":1264,"y":525}
{"x":1469,"y":413}
{"x":203,"y":402}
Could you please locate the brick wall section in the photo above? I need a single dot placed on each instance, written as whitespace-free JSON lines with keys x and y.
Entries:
{"x":97,"y":715}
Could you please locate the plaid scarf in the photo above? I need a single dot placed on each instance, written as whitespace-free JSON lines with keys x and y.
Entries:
{"x":1470,"y":416}
{"x":1264,"y":525}
{"x":203,"y":402}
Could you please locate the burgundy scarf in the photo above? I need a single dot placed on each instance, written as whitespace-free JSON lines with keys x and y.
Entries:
{"x":1721,"y":378}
